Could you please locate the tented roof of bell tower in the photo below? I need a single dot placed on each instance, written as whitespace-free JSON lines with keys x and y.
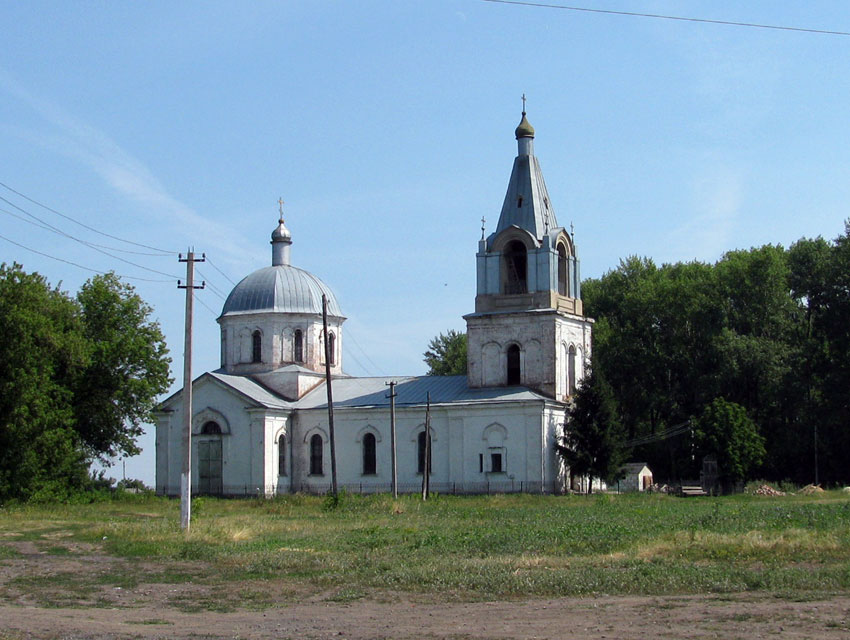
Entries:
{"x":527,"y":203}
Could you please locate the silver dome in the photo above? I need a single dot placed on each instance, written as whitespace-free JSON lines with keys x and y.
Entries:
{"x":280,"y":289}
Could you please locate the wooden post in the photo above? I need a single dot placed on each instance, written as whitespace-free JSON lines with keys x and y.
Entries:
{"x":186,"y":474}
{"x":426,"y":467}
{"x":330,"y":394}
{"x":392,"y":438}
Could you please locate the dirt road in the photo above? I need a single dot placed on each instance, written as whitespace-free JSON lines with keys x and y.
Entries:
{"x":77,"y":596}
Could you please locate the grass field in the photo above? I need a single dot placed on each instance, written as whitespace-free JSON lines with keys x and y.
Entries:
{"x":467,"y":547}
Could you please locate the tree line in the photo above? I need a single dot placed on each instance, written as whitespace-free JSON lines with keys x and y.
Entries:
{"x":79,"y":375}
{"x":766,"y":330}
{"x":746,"y":360}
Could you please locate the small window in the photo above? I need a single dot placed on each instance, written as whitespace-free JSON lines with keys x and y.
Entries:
{"x":281,"y":456}
{"x":519,"y":202}
{"x":256,"y":347}
{"x":496,"y":463}
{"x":480,"y":463}
{"x":211,"y":429}
{"x":316,"y":451}
{"x":420,"y":451}
{"x":571,"y":369}
{"x":298,"y":346}
{"x":370,"y":466}
{"x":513,"y":365}
{"x":331,"y":348}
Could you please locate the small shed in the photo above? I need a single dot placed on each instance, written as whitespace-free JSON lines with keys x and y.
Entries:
{"x":637,"y":477}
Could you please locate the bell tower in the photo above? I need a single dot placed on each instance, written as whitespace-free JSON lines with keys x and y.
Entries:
{"x":528,"y":328}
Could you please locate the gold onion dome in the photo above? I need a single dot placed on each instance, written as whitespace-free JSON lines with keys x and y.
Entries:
{"x":524,"y":130}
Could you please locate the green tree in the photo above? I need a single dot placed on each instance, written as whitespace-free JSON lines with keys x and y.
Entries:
{"x":41,"y":353}
{"x":592,"y":444}
{"x":76,"y":379}
{"x":128,"y":367}
{"x":446,"y":354}
{"x":725,"y":430}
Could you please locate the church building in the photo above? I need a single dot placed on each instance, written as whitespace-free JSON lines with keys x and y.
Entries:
{"x":260,"y":421}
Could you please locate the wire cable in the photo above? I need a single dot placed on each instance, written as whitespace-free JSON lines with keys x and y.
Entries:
{"x":47,"y":255}
{"x":660,"y":16}
{"x":67,"y":217}
{"x":211,"y":286}
{"x":212,"y":264}
{"x":47,"y":227}
{"x":376,"y":371}
{"x":84,"y":242}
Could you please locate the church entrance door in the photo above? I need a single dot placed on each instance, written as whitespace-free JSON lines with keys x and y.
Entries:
{"x":209,"y":467}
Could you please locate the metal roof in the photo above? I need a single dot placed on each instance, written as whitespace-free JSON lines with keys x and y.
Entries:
{"x":373,"y":392}
{"x":280,"y":289}
{"x":527,"y":203}
{"x":412,"y":391}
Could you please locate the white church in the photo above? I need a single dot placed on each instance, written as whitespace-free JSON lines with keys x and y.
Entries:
{"x":260,"y":422}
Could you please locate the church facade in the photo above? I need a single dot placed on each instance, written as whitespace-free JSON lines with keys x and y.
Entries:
{"x":260,"y":422}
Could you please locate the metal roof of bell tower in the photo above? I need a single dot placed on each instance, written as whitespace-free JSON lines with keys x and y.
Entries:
{"x":527,"y":203}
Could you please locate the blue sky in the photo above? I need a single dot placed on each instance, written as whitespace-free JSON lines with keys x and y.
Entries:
{"x":387,"y":127}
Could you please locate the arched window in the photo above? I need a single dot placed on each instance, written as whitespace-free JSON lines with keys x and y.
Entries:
{"x":370,"y":463}
{"x":316,"y":455}
{"x":211,"y":428}
{"x":331,"y":348}
{"x":562,"y":270}
{"x":420,"y":452}
{"x":514,"y":268}
{"x":571,"y":368}
{"x":298,"y":346}
{"x":281,"y":456}
{"x":513,"y":365}
{"x":256,"y":347}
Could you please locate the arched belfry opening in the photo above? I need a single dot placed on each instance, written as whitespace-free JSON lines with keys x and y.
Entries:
{"x":563,"y":288}
{"x":513,"y":365}
{"x":514,"y":268}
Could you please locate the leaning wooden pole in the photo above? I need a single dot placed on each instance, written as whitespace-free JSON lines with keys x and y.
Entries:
{"x":426,"y":466}
{"x":330,"y":394}
{"x":393,"y":394}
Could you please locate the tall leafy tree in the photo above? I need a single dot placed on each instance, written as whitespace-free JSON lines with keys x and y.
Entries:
{"x":593,"y":438}
{"x":77,"y":377}
{"x":725,"y":431}
{"x":128,"y":367}
{"x":446,"y":354}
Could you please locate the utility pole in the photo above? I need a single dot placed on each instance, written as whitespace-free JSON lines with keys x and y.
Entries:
{"x":330,"y":393}
{"x":426,"y":470}
{"x":392,"y":396}
{"x":186,"y":475}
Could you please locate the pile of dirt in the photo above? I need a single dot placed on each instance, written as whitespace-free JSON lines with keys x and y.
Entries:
{"x":767,"y":490}
{"x":809,"y":489}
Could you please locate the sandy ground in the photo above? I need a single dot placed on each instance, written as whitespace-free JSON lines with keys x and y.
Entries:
{"x":152,"y":610}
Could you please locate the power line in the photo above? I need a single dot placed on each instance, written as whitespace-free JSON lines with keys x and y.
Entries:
{"x":376,"y":371}
{"x":210,"y":262}
{"x":75,"y":221}
{"x":47,"y":227}
{"x":659,"y":16}
{"x":83,"y":242}
{"x":668,"y":433}
{"x":47,"y":255}
{"x":211,"y":286}
{"x":205,"y":305}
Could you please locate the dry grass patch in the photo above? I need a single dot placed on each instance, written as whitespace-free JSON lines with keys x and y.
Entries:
{"x":760,"y":545}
